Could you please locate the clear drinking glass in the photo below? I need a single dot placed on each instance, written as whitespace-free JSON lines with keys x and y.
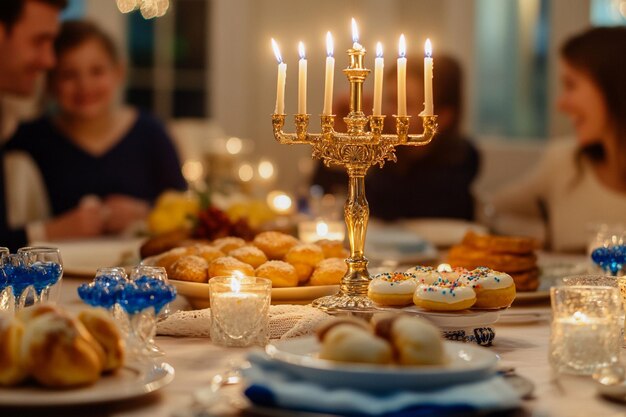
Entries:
{"x":585,"y":334}
{"x":45,"y":267}
{"x":143,"y":323}
{"x":240,"y":310}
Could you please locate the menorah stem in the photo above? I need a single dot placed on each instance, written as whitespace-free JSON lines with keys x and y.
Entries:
{"x":357,"y":213}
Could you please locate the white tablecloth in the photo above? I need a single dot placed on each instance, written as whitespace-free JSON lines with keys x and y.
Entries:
{"x":522,"y":346}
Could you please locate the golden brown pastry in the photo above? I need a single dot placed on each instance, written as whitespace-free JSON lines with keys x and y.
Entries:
{"x":501,"y":244}
{"x":281,"y":273}
{"x":329,"y":272}
{"x":526,"y":280}
{"x":229,"y":243}
{"x":32,"y":312}
{"x":322,"y":329}
{"x":99,"y":324}
{"x":163,"y":242}
{"x":333,"y":248}
{"x":227,"y":266}
{"x":305,"y":253}
{"x":275,"y":244}
{"x":470,"y":258}
{"x":350,"y":343}
{"x":59,"y":352}
{"x":190,"y":268}
{"x":303,"y":271}
{"x":415,"y":340}
{"x":12,"y":370}
{"x":167,"y":259}
{"x":208,"y":253}
{"x":250,"y":255}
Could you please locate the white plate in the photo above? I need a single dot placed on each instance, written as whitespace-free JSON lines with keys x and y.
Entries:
{"x":198,"y":293}
{"x":442,"y":232}
{"x":393,"y":243}
{"x":84,"y":257}
{"x":467,"y":363}
{"x":129,"y":382}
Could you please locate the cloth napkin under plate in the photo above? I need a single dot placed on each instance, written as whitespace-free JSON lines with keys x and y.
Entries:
{"x":272,"y":386}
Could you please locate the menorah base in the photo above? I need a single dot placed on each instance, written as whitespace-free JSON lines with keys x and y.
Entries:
{"x":344,"y":303}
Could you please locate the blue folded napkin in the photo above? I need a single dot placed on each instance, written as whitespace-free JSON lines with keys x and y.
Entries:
{"x":269,"y":385}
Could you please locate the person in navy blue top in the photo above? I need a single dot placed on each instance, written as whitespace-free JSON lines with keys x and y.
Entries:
{"x":116,"y":158}
{"x":27,"y":28}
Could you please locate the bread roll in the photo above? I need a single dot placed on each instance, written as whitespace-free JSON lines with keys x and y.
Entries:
{"x":12,"y":371}
{"x":350,"y":343}
{"x":99,"y":324}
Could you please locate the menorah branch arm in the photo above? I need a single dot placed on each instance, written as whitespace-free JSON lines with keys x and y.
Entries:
{"x":430,"y":129}
{"x":300,"y":137}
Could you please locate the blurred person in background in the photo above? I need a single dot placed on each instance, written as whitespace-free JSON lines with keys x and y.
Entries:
{"x":578,"y":182}
{"x":103,"y":164}
{"x":430,"y":181}
{"x":27,"y":32}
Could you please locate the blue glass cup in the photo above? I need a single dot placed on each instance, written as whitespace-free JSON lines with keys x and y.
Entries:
{"x":44,"y":268}
{"x":7,"y":301}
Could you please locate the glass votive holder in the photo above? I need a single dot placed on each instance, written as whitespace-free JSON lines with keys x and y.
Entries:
{"x":7,"y":301}
{"x":585,"y":334}
{"x":240,"y":310}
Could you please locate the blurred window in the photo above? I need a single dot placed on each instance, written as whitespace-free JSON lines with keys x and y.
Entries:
{"x":168,"y":60}
{"x":513,"y":81}
{"x":608,"y":12}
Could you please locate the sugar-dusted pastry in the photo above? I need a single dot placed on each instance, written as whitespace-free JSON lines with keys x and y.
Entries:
{"x":392,"y":289}
{"x":415,"y":340}
{"x":333,"y":248}
{"x":493,"y":289}
{"x":190,"y":268}
{"x":275,"y":244}
{"x":226,"y":244}
{"x":304,"y":257}
{"x":250,"y":255}
{"x":98,"y":323}
{"x":207,"y":252}
{"x":444,"y":296}
{"x":329,"y":272}
{"x":281,"y":273}
{"x":167,"y":259}
{"x":227,"y":266}
{"x":59,"y":352}
{"x":350,"y":343}
{"x":12,"y":371}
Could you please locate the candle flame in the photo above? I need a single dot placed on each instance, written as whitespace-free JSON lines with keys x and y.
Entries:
{"x":235,"y":282}
{"x":428,"y":48}
{"x":276,"y":51}
{"x":301,"y":50}
{"x":355,"y":31}
{"x":329,"y":44}
{"x":379,"y":50}
{"x":321,"y":228}
{"x":402,"y":46}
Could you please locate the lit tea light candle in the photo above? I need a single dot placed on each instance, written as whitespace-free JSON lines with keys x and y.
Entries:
{"x":355,"y":36}
{"x":379,"y":65}
{"x":401,"y":76}
{"x":239,"y":310}
{"x":330,"y":76}
{"x":302,"y":70}
{"x":428,"y":79}
{"x":280,"y":85}
{"x":314,"y":230}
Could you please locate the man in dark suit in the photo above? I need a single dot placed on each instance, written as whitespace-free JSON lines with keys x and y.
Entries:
{"x":27,"y":32}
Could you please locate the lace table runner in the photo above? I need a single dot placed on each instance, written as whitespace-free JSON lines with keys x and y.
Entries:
{"x":286,"y":321}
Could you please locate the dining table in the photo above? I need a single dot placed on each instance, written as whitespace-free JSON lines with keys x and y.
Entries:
{"x":522,"y":346}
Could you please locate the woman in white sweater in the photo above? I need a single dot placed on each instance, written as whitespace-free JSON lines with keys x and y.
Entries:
{"x":583,"y":182}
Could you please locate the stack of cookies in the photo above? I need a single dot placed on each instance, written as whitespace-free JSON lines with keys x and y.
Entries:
{"x":513,"y":255}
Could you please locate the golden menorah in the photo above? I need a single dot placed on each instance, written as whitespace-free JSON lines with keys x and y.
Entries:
{"x":357,"y":150}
